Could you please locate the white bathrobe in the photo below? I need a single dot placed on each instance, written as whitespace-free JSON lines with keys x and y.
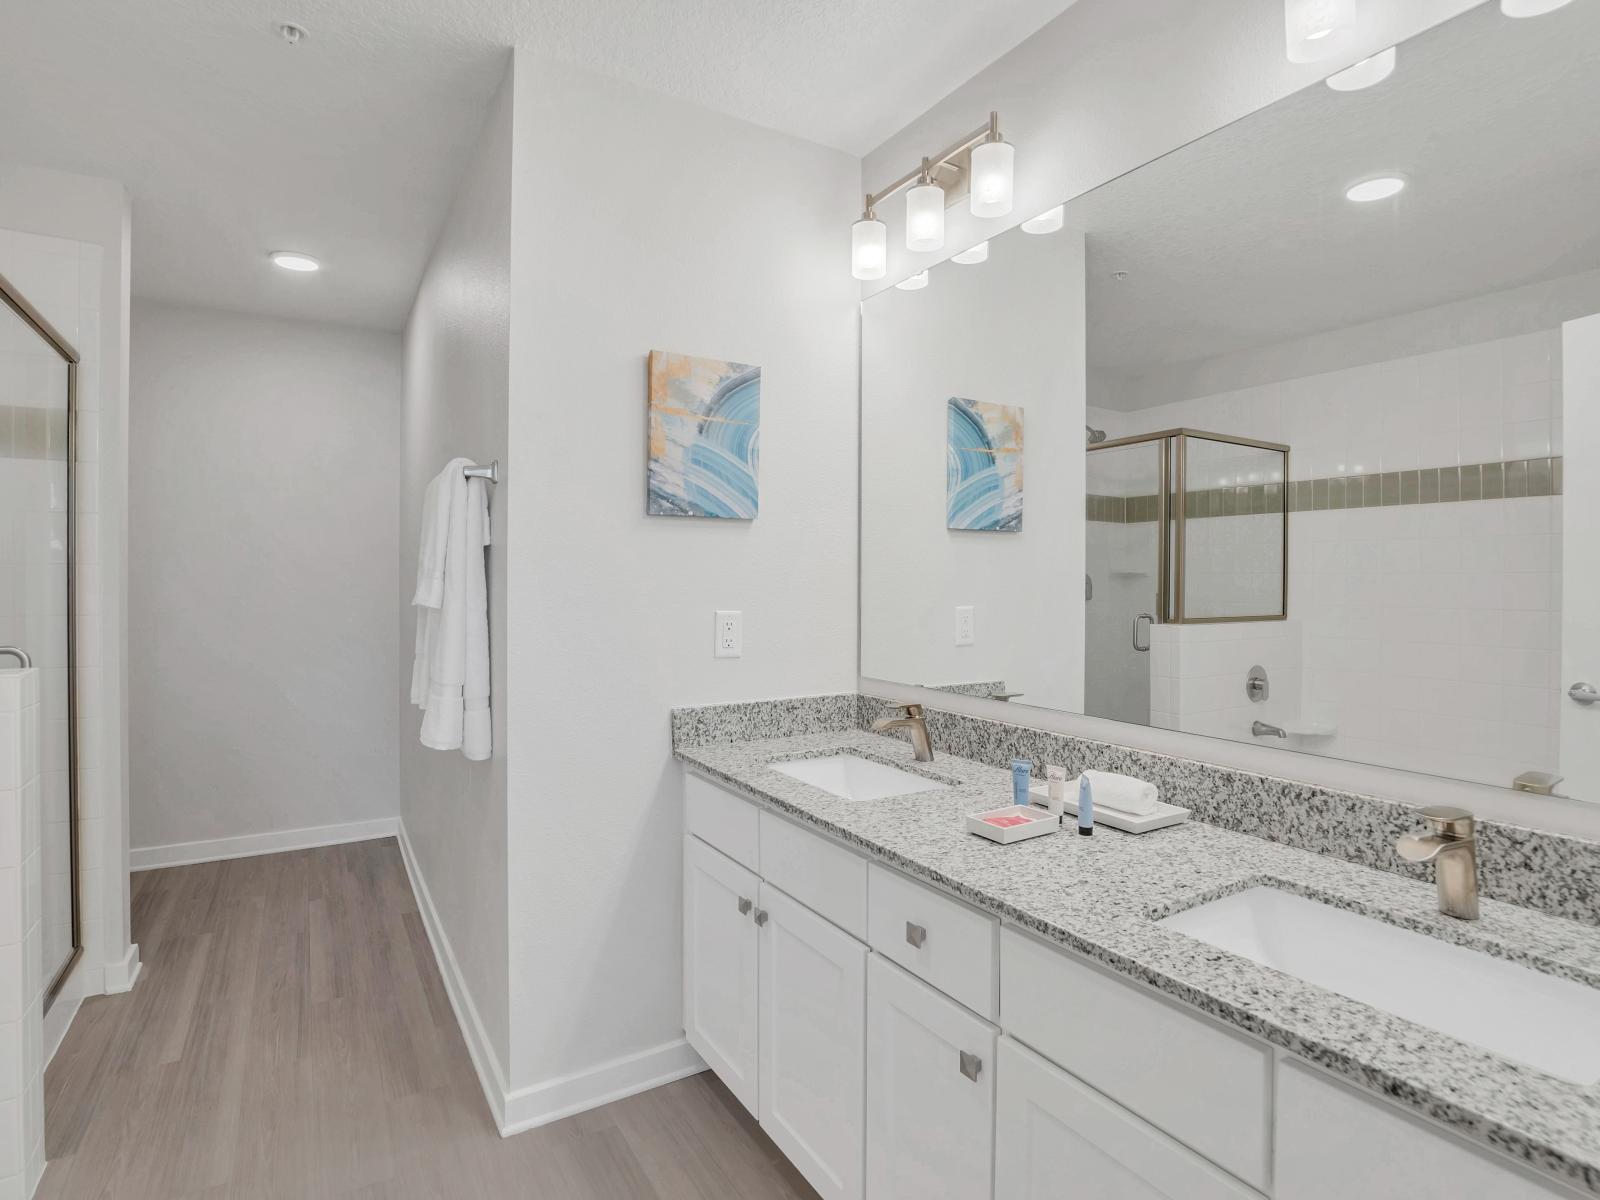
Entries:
{"x":450,"y":673}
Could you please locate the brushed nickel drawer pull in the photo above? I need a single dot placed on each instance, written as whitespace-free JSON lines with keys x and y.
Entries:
{"x":916,"y":934}
{"x":971,"y":1065}
{"x":744,"y":905}
{"x":761,"y":916}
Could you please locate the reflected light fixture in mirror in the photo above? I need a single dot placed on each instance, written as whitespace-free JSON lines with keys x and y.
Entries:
{"x":1531,"y":8}
{"x":914,"y":284}
{"x":289,"y":260}
{"x":1364,"y":74}
{"x":869,"y":247}
{"x":1380,"y":188}
{"x":972,"y":256}
{"x":925,"y":214}
{"x":1046,"y":222}
{"x":1316,"y":30}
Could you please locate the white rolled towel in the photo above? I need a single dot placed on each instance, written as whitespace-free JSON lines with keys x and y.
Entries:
{"x":1123,"y":793}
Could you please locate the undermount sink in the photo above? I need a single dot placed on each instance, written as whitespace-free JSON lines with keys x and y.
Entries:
{"x":851,"y":778}
{"x":1543,"y":1021}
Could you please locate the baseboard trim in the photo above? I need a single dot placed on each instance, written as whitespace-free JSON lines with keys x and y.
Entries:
{"x":57,"y":1021}
{"x":491,"y":1075}
{"x":183,"y":854}
{"x":124,"y":973}
{"x":543,"y":1103}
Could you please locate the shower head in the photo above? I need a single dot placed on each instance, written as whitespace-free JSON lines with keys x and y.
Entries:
{"x":1096,"y":436}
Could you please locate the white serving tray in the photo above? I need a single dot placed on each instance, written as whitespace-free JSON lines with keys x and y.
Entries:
{"x":1034,"y":822}
{"x":1164,"y":815}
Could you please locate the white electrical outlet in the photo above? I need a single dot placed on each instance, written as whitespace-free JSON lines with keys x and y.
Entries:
{"x":730,"y":633}
{"x":964,"y":633}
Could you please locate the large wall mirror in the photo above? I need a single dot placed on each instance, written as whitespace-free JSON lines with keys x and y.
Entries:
{"x":1285,"y":438}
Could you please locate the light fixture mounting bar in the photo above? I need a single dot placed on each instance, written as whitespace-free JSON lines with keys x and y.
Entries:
{"x":987,"y":132}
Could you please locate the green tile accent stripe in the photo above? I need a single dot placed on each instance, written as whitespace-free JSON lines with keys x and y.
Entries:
{"x":33,"y":432}
{"x":1509,"y":480}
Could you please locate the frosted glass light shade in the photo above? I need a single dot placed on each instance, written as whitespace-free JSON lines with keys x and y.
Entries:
{"x":1365,"y":73}
{"x":1531,"y":8}
{"x":1315,"y":30}
{"x":992,"y":178}
{"x":972,"y":255}
{"x":869,"y":248}
{"x":1381,"y":188}
{"x":1046,"y":222}
{"x":925,"y":217}
{"x":915,"y":283}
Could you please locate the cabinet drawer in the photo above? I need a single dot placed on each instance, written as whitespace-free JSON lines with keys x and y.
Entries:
{"x":1205,"y":1086}
{"x":942,"y":940}
{"x":1050,"y":1128}
{"x":719,"y":818}
{"x":825,"y":877}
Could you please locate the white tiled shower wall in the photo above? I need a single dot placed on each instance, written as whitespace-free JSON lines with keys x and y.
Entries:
{"x":1429,"y":634}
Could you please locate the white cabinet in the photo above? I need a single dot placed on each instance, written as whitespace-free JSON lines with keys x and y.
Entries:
{"x":1058,"y":1139}
{"x":720,"y":950}
{"x":930,"y":1092}
{"x":1334,"y":1143}
{"x":813,"y":1044}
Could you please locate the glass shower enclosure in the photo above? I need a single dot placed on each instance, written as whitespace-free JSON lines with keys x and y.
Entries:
{"x":38,"y":534}
{"x":1185,"y":527}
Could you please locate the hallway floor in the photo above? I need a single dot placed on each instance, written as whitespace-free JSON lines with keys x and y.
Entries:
{"x":290,"y":1037}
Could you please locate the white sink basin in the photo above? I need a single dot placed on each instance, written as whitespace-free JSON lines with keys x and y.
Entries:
{"x":1539,"y":1020}
{"x":852,"y":778}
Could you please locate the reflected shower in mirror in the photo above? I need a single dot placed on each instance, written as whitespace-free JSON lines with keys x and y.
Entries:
{"x":1340,"y":421}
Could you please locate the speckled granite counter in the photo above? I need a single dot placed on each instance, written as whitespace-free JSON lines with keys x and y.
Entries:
{"x":1100,"y":896}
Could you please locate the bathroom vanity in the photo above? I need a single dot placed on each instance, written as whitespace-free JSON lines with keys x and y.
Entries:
{"x":911,"y":1011}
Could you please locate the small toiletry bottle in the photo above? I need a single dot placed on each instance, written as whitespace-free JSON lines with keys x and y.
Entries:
{"x":1085,"y":806}
{"x":1021,"y":777}
{"x":1057,"y":780}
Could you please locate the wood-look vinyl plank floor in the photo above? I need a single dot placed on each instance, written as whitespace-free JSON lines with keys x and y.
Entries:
{"x":290,"y":1039}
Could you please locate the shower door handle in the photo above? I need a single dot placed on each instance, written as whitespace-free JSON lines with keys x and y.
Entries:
{"x":1142,"y":647}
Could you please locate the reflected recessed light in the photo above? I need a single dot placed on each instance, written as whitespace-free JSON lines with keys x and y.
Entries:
{"x":917,"y":281}
{"x":977,"y":254}
{"x":1365,"y":73}
{"x":1531,"y":8}
{"x":1380,"y":188}
{"x":290,"y":261}
{"x":1046,"y":222}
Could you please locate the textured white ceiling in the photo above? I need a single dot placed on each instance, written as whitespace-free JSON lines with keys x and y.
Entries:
{"x":1244,"y":238}
{"x":348,"y":146}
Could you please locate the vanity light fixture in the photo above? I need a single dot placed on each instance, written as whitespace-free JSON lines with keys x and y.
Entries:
{"x":915,"y":283}
{"x":289,"y":260}
{"x":972,"y":255}
{"x":1380,"y":188}
{"x":1046,"y":222}
{"x":1365,"y":73}
{"x":1531,"y":8}
{"x":983,"y":160}
{"x":1315,"y":30}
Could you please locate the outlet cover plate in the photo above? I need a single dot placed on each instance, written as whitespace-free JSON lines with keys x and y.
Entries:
{"x":964,"y":625}
{"x":729,"y":640}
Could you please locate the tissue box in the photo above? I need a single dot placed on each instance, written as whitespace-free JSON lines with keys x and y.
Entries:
{"x":1014,"y":823}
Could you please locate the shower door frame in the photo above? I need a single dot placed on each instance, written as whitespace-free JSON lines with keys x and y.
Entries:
{"x":17,"y":303}
{"x":1173,"y":535}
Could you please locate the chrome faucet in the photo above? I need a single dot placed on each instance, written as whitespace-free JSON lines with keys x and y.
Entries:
{"x":916,"y":723}
{"x":1451,"y":844}
{"x":1262,"y":729}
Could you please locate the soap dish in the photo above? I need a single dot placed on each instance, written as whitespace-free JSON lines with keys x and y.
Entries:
{"x":1013,"y":823}
{"x":1163,"y":815}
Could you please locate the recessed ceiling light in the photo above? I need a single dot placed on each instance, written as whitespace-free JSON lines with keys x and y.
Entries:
{"x":290,"y":261}
{"x":915,"y":283}
{"x":1365,"y":73}
{"x":292,"y":33}
{"x":1380,"y":188}
{"x":1531,"y":8}
{"x":976,"y":254}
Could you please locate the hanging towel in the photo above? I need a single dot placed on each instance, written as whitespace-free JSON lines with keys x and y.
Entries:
{"x":450,"y":673}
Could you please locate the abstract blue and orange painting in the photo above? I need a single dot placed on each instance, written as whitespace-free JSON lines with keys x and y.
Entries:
{"x":705,"y":437}
{"x":983,"y":466}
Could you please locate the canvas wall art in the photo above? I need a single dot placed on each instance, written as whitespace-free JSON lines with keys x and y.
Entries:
{"x":983,"y":466}
{"x":705,"y":426}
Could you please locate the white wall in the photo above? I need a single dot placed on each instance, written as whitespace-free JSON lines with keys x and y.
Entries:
{"x":644,"y":223}
{"x":263,"y":654}
{"x":1109,"y":85}
{"x":1008,"y":331}
{"x":456,"y":388}
{"x":84,"y":294}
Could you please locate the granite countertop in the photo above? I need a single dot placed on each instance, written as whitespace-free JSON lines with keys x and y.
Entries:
{"x":1101,"y":897}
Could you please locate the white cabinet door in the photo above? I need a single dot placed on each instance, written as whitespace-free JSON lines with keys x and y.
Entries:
{"x":930,"y":1092}
{"x":1333,"y":1143}
{"x":1058,"y":1139}
{"x":720,"y":966}
{"x":813,"y":1043}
